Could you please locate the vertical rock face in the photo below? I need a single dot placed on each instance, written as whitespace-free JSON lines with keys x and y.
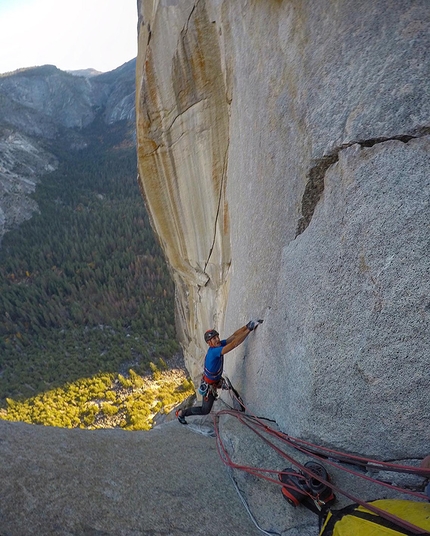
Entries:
{"x":41,"y":106}
{"x":284,"y":157}
{"x":22,"y":161}
{"x":183,"y":107}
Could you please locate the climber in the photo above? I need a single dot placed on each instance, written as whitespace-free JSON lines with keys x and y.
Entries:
{"x":213,"y":367}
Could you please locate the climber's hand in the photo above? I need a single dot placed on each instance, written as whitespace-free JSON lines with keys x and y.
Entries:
{"x":253,"y":324}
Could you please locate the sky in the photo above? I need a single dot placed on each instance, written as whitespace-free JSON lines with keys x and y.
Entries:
{"x":70,"y":34}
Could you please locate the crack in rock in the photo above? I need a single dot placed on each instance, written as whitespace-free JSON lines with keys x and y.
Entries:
{"x":182,"y":112}
{"x":185,"y":28}
{"x":223,"y":178}
{"x":315,"y":184}
{"x":313,"y":190}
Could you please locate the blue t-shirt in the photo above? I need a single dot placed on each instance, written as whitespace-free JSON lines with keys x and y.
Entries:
{"x":214,"y":362}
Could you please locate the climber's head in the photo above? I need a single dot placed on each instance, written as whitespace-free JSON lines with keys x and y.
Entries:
{"x":210,"y":334}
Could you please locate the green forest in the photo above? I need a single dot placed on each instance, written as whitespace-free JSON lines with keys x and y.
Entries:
{"x":84,"y":287}
{"x":105,"y":400}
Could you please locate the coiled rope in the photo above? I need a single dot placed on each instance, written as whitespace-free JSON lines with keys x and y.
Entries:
{"x":331,"y":457}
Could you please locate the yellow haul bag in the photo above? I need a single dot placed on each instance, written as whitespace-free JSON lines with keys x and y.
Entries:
{"x":355,"y":520}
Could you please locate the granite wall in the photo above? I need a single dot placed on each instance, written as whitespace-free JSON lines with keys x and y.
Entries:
{"x":284,"y":157}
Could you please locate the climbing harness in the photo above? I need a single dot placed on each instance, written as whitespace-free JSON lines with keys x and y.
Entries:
{"x":208,"y":386}
{"x":309,"y":484}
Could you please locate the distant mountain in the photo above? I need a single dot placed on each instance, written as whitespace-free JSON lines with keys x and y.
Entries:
{"x":44,"y":111}
{"x":87,"y":73}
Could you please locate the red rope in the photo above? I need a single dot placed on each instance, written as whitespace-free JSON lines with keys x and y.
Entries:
{"x":406,"y":469}
{"x":320,"y":453}
{"x":256,"y":471}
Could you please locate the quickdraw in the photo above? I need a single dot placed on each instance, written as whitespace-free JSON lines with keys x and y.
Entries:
{"x":204,"y":387}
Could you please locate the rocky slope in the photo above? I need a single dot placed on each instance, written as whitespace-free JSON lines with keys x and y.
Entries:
{"x":167,"y":481}
{"x":43,"y":109}
{"x":109,"y":482}
{"x":284,"y":156}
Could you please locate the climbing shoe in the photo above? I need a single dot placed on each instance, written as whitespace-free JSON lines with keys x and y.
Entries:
{"x":180,"y":418}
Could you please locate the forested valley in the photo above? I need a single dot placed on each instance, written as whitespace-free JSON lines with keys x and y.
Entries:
{"x":85,"y":294}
